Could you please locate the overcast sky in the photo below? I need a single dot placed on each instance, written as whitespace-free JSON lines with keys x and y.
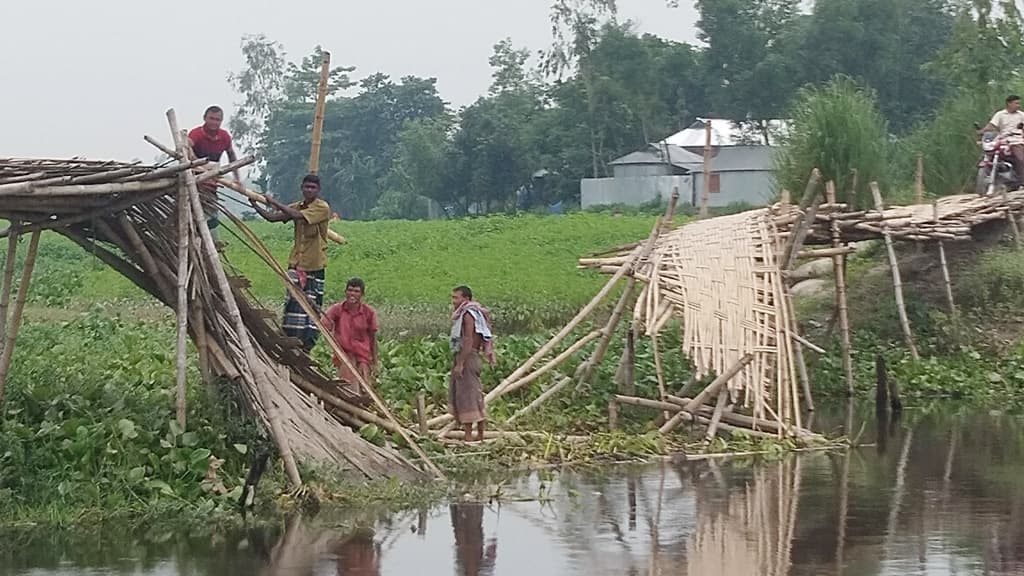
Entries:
{"x":89,"y":78}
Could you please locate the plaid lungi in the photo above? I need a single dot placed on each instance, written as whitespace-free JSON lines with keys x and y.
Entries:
{"x":296,"y":322}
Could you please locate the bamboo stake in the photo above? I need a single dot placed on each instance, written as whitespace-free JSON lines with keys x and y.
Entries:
{"x":659,"y":373}
{"x":421,"y":413}
{"x":181,"y":309}
{"x":14,"y":322}
{"x":625,"y":374}
{"x":318,"y":115}
{"x":919,"y":181}
{"x":708,"y":392}
{"x":896,"y":281}
{"x":613,"y":415}
{"x":705,"y":196}
{"x":249,"y":367}
{"x":8,"y":282}
{"x":945,"y":273}
{"x":842,"y":311}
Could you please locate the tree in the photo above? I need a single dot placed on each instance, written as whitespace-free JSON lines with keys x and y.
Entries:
{"x":419,"y":172}
{"x":987,"y":45}
{"x":260,"y":84}
{"x":837,"y":128}
{"x":886,"y":45}
{"x":746,"y":67}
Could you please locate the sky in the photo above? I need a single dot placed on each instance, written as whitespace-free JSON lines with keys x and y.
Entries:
{"x":90,"y":78}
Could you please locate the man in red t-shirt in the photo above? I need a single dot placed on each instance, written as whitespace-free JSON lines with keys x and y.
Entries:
{"x":210,"y":141}
{"x":353,"y":325}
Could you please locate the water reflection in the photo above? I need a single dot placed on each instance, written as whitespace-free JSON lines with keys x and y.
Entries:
{"x":937,"y":495}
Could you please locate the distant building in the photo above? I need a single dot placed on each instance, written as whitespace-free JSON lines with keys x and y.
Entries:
{"x":741,"y":169}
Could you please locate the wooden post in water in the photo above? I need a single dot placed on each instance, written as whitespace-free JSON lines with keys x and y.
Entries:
{"x":14,"y":322}
{"x":705,"y":196}
{"x":881,"y":387}
{"x":897,"y":283}
{"x":842,"y":311}
{"x":318,"y":114}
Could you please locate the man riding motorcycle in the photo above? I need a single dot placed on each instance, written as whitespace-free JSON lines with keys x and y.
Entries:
{"x":1007,"y":123}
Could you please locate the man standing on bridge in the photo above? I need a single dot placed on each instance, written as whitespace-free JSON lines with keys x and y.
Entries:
{"x":210,"y":141}
{"x":308,"y":258}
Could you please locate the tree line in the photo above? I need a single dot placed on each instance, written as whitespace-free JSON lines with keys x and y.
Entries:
{"x":868,"y":83}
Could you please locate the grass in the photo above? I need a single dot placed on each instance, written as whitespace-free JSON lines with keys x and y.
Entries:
{"x":523,"y":267}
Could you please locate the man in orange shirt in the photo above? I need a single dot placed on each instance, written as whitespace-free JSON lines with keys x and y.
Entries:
{"x":353,"y":324}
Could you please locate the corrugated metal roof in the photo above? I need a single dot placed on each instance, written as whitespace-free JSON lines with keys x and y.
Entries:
{"x":656,"y":154}
{"x":723,"y":133}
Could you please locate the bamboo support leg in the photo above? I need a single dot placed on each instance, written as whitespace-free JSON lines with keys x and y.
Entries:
{"x":842,"y":310}
{"x":8,"y":283}
{"x":14,"y":323}
{"x":896,"y":281}
{"x":586,"y":370}
{"x":723,"y":398}
{"x":181,"y":309}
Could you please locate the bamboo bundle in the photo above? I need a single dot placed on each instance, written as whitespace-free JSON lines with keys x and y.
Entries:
{"x":951,"y":218}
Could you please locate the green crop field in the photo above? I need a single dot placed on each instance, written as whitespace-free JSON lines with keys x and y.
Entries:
{"x":524,"y":267}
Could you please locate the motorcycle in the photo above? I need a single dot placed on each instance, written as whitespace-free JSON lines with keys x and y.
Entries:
{"x":995,"y":169}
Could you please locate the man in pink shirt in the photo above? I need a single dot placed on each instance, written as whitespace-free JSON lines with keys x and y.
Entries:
{"x":353,"y":325}
{"x":210,"y":141}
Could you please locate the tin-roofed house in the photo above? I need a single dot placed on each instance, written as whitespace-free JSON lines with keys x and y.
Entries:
{"x":741,"y":169}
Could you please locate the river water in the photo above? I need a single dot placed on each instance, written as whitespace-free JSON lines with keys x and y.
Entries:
{"x":938,"y":494}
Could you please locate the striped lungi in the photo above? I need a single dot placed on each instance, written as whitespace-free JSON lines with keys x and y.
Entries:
{"x":297,"y":323}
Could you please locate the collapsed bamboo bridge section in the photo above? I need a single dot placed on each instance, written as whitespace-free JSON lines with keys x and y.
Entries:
{"x":149,"y":223}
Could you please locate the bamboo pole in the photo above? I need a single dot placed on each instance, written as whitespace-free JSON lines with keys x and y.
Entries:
{"x":716,"y":417}
{"x":8,"y":282}
{"x":181,"y":309}
{"x":586,"y":370}
{"x":809,"y":205}
{"x":708,"y":392}
{"x":896,"y":281}
{"x":919,"y":181}
{"x":659,"y":373}
{"x":99,"y":189}
{"x":318,"y":115}
{"x":14,"y":322}
{"x":613,"y":415}
{"x":421,"y":413}
{"x":801,"y":363}
{"x":945,"y":273}
{"x":842,"y":310}
{"x":555,"y":362}
{"x":705,"y":196}
{"x":237,"y":187}
{"x":300,"y":297}
{"x":559,"y":386}
{"x":250,"y":365}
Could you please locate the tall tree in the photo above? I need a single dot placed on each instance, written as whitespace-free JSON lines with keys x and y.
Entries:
{"x":747,"y":73}
{"x":987,"y":45}
{"x":886,"y":44}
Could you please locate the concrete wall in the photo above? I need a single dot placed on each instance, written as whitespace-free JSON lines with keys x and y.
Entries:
{"x":754,"y":188}
{"x":639,"y":170}
{"x":632,"y":191}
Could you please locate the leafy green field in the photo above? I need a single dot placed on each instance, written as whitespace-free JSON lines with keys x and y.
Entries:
{"x":523,"y":267}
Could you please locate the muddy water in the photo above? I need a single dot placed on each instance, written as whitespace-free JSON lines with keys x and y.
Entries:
{"x":938,"y":494}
